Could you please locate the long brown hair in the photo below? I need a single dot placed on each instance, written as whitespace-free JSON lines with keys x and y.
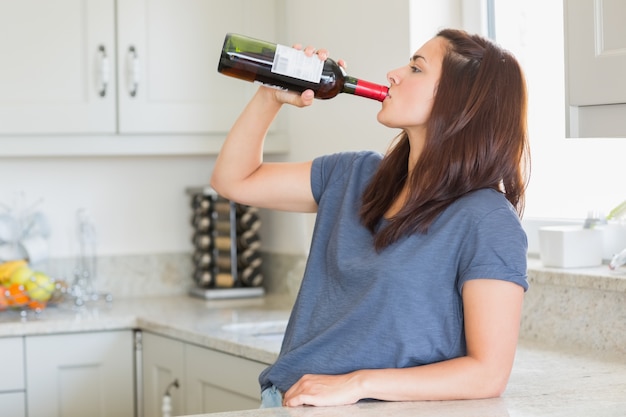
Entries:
{"x":476,"y":138}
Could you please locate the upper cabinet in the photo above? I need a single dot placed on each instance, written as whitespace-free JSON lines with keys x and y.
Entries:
{"x":58,"y":66}
{"x":595,"y":51}
{"x":167,"y":58}
{"x":125,"y":68}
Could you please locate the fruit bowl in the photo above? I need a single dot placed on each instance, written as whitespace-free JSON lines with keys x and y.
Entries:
{"x":22,"y":288}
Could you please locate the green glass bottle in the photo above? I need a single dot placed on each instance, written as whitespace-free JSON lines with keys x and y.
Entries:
{"x":287,"y":68}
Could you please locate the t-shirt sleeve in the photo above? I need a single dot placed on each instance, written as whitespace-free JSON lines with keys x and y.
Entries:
{"x":329,"y":168}
{"x":497,"y":250}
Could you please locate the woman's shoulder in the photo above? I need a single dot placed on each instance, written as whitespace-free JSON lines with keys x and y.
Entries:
{"x":483,"y":202}
{"x":348,"y":161}
{"x":352,"y":157}
{"x":342,"y":171}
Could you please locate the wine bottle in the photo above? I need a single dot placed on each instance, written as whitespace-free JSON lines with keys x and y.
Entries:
{"x":287,"y":68}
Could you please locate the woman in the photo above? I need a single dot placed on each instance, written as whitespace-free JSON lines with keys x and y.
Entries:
{"x":415,"y":279}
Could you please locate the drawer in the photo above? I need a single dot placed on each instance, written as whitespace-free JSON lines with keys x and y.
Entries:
{"x":12,"y":366}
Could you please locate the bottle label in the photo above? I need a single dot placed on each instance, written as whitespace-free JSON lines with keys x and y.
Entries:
{"x":294,"y":63}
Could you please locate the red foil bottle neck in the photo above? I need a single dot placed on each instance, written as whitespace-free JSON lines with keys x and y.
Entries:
{"x":371,"y":90}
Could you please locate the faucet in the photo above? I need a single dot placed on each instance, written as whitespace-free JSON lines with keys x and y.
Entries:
{"x":618,"y":260}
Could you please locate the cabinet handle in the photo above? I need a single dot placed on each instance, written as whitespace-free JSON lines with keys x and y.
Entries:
{"x":103,"y":71}
{"x":166,"y":405}
{"x":132,"y":71}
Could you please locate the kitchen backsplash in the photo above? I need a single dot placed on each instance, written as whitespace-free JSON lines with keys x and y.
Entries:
{"x":170,"y":274}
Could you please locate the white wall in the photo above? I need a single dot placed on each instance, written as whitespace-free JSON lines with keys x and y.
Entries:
{"x":138,"y":205}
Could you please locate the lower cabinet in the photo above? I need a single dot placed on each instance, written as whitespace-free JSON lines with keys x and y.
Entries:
{"x":217,"y":381}
{"x":12,"y":384}
{"x":100,"y":374}
{"x":208,"y":381}
{"x":162,"y":367}
{"x":80,"y":374}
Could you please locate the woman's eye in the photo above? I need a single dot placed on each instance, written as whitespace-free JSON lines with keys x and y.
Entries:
{"x":415,"y":69}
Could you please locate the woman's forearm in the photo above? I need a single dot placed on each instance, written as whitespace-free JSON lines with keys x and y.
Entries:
{"x":242,"y":152}
{"x":460,"y":378}
{"x":240,"y":173}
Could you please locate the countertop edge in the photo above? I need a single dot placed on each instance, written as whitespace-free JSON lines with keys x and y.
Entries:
{"x":597,"y":278}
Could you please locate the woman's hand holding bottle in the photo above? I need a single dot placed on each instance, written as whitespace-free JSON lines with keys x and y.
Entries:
{"x":305,"y":98}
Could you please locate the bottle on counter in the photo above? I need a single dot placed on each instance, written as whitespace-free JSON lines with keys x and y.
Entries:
{"x":287,"y":68}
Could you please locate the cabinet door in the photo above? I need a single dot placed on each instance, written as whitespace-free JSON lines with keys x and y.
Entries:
{"x":162,"y":365}
{"x":83,"y":374}
{"x":595,"y":38}
{"x":168,"y":51}
{"x":12,"y":366}
{"x":12,"y":398}
{"x":57,"y":66}
{"x":217,"y":381}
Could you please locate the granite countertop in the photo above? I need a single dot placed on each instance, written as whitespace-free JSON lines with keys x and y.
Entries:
{"x":201,"y":322}
{"x":544,"y":382}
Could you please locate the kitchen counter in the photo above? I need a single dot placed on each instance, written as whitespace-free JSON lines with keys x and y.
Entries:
{"x":204,"y":323}
{"x":581,"y":308}
{"x":544,"y":382}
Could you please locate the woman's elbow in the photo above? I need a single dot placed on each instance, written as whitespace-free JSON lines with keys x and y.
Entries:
{"x":220,"y":186}
{"x":493,"y":385}
{"x":214,"y":182}
{"x":495,"y":391}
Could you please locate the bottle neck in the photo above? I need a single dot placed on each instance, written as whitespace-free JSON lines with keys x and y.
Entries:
{"x":364,"y":88}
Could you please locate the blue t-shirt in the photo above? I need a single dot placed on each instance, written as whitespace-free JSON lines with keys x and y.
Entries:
{"x":401,"y":307}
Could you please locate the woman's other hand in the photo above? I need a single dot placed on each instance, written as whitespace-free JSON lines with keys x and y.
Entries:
{"x":324,"y":390}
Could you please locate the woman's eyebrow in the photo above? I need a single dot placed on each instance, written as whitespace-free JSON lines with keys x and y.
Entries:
{"x":416,"y":57}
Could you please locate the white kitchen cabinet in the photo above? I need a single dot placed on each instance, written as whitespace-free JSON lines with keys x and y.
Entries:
{"x":121,"y":71}
{"x":595,"y":51}
{"x":57,"y":58}
{"x":81,"y":374}
{"x":217,"y":381}
{"x":163,"y":363}
{"x":209,"y":380}
{"x":168,"y":51}
{"x":12,"y":397}
{"x":12,"y":352}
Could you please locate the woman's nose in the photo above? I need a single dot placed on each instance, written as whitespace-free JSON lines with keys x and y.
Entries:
{"x":392,"y":78}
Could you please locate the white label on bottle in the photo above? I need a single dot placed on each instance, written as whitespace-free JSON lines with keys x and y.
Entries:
{"x":294,"y":63}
